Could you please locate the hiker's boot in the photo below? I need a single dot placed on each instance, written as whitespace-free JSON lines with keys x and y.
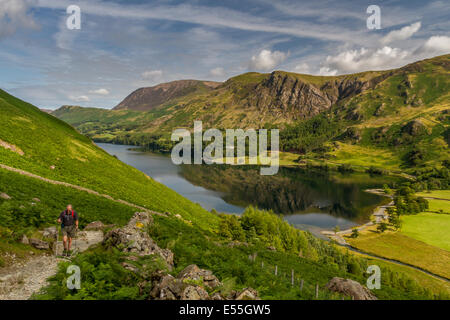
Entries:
{"x":69,"y":253}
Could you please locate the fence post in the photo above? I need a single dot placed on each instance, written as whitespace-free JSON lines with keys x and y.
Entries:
{"x":292,"y":277}
{"x":317,"y":291}
{"x":276,"y":270}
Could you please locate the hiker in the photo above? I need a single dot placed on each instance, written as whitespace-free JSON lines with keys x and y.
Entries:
{"x":69,"y":225}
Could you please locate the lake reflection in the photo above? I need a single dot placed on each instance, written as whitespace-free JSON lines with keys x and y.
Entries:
{"x":309,"y":199}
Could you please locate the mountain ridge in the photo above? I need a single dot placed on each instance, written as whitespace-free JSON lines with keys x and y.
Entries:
{"x":147,"y":98}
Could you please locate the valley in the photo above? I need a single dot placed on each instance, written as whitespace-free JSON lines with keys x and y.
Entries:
{"x":339,"y":135}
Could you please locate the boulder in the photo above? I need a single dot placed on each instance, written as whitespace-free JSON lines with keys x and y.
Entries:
{"x":133,"y":238}
{"x":351,"y":288}
{"x":217,"y":296}
{"x":36,"y":200}
{"x":95,"y":225}
{"x":247,"y":294}
{"x":193,"y":272}
{"x":194,"y":293}
{"x":167,"y":287}
{"x":39,"y":244}
{"x":4,"y":196}
{"x":50,"y":232}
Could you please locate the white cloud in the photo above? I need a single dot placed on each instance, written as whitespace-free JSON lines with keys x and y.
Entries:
{"x":402,"y":34}
{"x":365,"y":59}
{"x":217,"y":72}
{"x":79,"y":98}
{"x":326,"y":71}
{"x":302,"y":68}
{"x":101,"y":91}
{"x":209,"y":16}
{"x":436,"y":45}
{"x":266,"y":60}
{"x":13,"y":16}
{"x":151,"y":74}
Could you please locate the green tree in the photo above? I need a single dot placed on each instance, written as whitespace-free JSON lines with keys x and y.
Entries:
{"x":382,"y":227}
{"x":355,"y":233}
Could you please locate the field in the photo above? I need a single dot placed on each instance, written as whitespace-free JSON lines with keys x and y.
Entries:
{"x":397,"y":246}
{"x":426,"y":281}
{"x":441,"y":194}
{"x":431,"y":228}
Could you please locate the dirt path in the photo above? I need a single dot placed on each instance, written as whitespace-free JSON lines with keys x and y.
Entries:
{"x":21,"y":280}
{"x":73,"y":186}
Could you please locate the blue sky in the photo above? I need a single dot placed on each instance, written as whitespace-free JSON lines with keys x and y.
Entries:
{"x":124,"y":45}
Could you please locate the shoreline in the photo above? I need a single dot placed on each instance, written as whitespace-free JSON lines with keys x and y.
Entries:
{"x":379,"y":214}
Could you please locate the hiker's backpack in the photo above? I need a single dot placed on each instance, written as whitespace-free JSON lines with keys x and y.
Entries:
{"x":62,"y":223}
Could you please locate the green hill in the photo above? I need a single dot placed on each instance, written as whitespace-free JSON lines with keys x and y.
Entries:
{"x":395,"y":119}
{"x":53,"y":149}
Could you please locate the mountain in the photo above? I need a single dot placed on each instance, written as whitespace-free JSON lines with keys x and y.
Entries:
{"x":145,"y":99}
{"x":45,"y":164}
{"x":379,"y":118}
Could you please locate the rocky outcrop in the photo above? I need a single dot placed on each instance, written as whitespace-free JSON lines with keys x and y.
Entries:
{"x":246,"y":294}
{"x":193,"y":283}
{"x":134,"y":238}
{"x":351,"y":288}
{"x":283,"y":92}
{"x":167,"y":287}
{"x":39,"y":244}
{"x":193,"y":272}
{"x":95,"y":225}
{"x":50,"y":232}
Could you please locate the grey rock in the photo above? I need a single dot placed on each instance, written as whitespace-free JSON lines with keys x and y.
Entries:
{"x":245,"y":294}
{"x":39,"y":244}
{"x":194,"y":293}
{"x":4,"y":196}
{"x":193,"y":272}
{"x":50,"y":232}
{"x":351,"y":288}
{"x":95,"y":225}
{"x":135,"y":239}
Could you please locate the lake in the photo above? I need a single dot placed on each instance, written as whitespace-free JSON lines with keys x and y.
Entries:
{"x":309,"y":199}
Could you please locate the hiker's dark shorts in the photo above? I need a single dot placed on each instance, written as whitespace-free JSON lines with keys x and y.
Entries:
{"x":69,"y":231}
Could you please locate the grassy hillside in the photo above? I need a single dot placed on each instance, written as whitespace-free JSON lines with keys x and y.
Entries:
{"x":53,"y":149}
{"x":396,"y":119}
